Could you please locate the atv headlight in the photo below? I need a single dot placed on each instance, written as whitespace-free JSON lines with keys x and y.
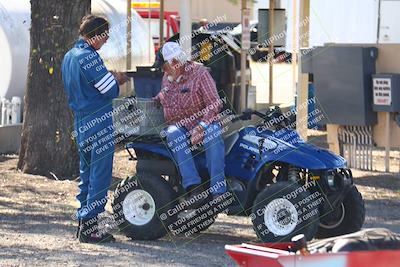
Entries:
{"x":330,"y":178}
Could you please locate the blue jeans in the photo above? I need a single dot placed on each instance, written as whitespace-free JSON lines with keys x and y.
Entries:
{"x":179,"y":143}
{"x":96,"y":151}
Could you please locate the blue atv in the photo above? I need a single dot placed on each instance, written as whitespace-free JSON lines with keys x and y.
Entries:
{"x":285,"y":186}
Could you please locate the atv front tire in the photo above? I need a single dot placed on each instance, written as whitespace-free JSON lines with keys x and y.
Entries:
{"x":281,"y":211}
{"x":141,"y":206}
{"x":348,"y":217}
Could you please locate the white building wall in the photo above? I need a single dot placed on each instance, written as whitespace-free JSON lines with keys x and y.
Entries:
{"x":340,"y":21}
{"x":343,"y":21}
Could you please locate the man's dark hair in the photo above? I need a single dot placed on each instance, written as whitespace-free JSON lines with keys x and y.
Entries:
{"x":92,"y":26}
{"x":159,"y":62}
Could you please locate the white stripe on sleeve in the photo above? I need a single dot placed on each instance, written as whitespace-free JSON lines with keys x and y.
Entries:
{"x":108,"y":87}
{"x":105,"y":78}
{"x":106,"y":83}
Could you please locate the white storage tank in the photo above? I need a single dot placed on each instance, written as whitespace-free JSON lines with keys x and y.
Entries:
{"x":15,"y":41}
{"x":14,"y":47}
{"x":114,"y":51}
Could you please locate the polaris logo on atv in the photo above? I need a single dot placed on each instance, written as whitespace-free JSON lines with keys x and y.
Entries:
{"x":253,"y":149}
{"x":267,"y":144}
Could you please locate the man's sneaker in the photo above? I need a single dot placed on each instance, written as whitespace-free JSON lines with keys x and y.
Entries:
{"x":89,"y":232}
{"x":196,"y":197}
{"x":97,"y":238}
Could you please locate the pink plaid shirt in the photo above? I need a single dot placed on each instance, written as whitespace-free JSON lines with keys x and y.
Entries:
{"x":193,"y":99}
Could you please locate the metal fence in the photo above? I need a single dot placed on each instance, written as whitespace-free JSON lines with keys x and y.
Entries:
{"x":357,"y":146}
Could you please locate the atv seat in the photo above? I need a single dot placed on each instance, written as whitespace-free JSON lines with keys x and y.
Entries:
{"x":229,"y":141}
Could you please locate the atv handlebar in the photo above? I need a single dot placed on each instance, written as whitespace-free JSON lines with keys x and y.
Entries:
{"x":272,"y":117}
{"x":246,"y":115}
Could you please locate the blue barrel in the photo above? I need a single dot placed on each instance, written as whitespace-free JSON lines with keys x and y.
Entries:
{"x":147,"y":81}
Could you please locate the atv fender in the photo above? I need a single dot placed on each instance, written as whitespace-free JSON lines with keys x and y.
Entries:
{"x":292,"y":156}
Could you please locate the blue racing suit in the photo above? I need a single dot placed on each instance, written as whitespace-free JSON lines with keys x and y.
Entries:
{"x":90,"y":88}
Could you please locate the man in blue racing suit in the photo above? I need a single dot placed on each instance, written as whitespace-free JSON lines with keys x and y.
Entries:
{"x":90,"y":88}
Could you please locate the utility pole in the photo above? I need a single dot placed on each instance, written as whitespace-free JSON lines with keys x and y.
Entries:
{"x":185,"y":38}
{"x":271,"y":49}
{"x":302,"y":83}
{"x":128,"y":41}
{"x":128,"y":34}
{"x":161,"y":40}
{"x":243,"y":54}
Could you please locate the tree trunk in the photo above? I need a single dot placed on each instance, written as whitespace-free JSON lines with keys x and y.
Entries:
{"x":47,"y":147}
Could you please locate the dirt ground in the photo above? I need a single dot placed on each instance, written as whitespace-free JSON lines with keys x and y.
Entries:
{"x":36,"y":228}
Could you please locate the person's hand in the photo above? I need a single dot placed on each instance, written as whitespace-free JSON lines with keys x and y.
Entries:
{"x":197,"y":135}
{"x":121,"y":77}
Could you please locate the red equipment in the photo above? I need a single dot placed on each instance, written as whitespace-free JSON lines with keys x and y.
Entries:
{"x":279,"y":255}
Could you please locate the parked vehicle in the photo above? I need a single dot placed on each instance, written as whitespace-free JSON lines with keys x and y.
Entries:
{"x":285,"y":185}
{"x":259,"y":52}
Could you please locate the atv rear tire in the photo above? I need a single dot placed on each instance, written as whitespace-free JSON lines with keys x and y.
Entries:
{"x":277,"y":214}
{"x":140,"y":206}
{"x":347,"y":218}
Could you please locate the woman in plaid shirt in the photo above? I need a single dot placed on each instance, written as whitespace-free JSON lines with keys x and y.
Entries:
{"x":191,"y":105}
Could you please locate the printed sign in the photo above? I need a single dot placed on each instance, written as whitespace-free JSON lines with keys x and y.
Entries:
{"x":382,"y":88}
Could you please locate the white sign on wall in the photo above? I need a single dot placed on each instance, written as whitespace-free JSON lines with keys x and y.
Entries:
{"x":382,"y":89}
